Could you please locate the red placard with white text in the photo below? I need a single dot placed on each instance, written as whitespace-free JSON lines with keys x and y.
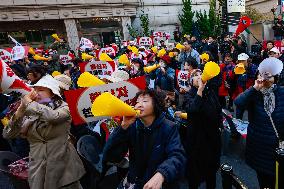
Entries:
{"x":80,"y":100}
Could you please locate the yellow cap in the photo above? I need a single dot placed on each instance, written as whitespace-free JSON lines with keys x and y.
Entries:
{"x":108,"y":105}
{"x":88,"y":80}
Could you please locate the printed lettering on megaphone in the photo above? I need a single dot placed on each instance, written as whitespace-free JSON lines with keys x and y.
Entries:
{"x":10,"y":82}
{"x":80,"y":100}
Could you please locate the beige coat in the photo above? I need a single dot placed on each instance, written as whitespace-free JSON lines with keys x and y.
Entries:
{"x":54,"y":161}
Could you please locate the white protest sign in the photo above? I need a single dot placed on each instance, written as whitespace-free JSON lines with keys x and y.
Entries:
{"x":65,"y":59}
{"x":18,"y":52}
{"x":99,"y":68}
{"x":107,"y":50}
{"x":85,"y":44}
{"x":182,"y":79}
{"x":145,"y":41}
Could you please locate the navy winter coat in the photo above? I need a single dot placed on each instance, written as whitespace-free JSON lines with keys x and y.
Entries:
{"x":167,"y":155}
{"x":261,"y":138}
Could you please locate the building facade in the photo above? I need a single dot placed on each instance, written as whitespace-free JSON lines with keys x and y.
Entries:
{"x":103,"y":21}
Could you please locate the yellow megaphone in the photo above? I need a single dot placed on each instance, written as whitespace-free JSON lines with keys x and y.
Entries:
{"x":240,"y":69}
{"x":134,"y":50}
{"x":86,"y":56}
{"x":180,"y":46}
{"x":5,"y":121}
{"x":204,"y":56}
{"x":104,"y":57}
{"x":211,"y":70}
{"x":55,"y":36}
{"x":37,"y":57}
{"x":32,"y":51}
{"x":161,"y":53}
{"x":149,"y":69}
{"x":88,"y":80}
{"x":154,"y":49}
{"x":55,"y":73}
{"x":171,"y":54}
{"x":108,"y":105}
{"x":123,"y":59}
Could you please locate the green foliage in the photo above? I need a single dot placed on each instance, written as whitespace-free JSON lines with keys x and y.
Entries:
{"x":208,"y":24}
{"x":145,"y":24}
{"x":186,"y":18}
{"x":132,"y":32}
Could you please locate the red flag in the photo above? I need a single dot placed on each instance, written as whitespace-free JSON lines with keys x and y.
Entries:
{"x":244,"y":23}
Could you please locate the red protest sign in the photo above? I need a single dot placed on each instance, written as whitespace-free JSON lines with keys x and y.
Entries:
{"x":100,"y":68}
{"x":80,"y":100}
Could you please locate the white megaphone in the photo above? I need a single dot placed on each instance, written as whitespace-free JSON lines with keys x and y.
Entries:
{"x":10,"y":82}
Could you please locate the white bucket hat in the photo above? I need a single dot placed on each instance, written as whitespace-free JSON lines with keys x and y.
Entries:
{"x":49,"y":82}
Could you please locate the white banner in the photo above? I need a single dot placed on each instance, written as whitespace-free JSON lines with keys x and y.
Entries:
{"x":236,"y":6}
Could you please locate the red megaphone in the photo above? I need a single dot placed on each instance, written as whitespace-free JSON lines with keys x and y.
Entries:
{"x":244,"y":23}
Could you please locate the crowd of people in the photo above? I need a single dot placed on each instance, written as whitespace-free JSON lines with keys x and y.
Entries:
{"x":177,"y":133}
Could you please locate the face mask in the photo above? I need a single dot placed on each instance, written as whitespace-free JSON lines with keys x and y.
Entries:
{"x":227,"y":62}
{"x":45,"y":101}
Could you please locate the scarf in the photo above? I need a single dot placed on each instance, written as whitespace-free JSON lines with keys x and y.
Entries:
{"x":269,"y":99}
